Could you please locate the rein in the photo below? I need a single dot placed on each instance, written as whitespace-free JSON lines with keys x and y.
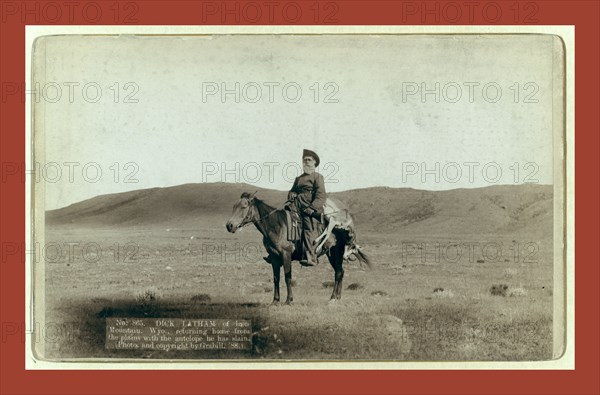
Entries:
{"x":247,"y":219}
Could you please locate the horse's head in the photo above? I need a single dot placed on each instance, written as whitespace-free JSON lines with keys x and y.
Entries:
{"x":243,"y":212}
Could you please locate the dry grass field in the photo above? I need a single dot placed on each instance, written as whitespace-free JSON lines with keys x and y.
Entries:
{"x":434,"y":294}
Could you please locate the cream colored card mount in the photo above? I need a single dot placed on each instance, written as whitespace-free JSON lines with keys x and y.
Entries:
{"x":346,"y":197}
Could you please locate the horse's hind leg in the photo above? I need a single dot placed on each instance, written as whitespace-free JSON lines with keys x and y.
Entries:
{"x":336,"y":261}
{"x":276,"y":265}
{"x":339,"y":278}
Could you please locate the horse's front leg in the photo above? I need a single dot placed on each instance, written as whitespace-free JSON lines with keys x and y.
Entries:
{"x":276,"y":265}
{"x":287,"y":268}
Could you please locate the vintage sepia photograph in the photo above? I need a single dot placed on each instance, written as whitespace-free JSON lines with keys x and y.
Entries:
{"x":298,"y":197}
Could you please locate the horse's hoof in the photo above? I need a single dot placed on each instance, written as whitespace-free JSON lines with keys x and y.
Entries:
{"x":332,"y":302}
{"x":275,"y":303}
{"x":289,"y":302}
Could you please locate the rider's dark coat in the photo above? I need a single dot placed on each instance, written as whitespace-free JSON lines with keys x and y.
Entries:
{"x":311,"y":191}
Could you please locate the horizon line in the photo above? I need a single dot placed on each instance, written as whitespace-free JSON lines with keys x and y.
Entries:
{"x":285,"y":190}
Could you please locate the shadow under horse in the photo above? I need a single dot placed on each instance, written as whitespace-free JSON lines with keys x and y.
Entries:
{"x":272,"y":224}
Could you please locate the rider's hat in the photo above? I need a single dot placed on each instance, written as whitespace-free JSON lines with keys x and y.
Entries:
{"x":312,"y":154}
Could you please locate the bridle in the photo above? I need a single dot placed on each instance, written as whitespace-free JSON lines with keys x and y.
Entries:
{"x":249,"y":218}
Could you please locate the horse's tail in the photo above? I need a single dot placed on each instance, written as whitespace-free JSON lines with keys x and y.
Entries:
{"x":362,"y":257}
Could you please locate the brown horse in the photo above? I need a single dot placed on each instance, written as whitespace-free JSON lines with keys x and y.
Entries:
{"x":272,"y":224}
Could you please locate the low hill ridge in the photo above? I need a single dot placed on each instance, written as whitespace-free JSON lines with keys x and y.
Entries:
{"x":501,"y":208}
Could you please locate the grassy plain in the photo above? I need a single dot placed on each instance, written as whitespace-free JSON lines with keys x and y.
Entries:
{"x":428,"y":297}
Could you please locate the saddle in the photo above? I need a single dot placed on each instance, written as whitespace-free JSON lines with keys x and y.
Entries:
{"x":294,"y":225}
{"x":294,"y":230}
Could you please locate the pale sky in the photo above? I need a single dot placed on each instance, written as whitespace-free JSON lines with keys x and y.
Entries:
{"x":378,"y":133}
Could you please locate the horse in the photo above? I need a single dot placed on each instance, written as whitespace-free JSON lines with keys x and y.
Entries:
{"x":272,"y":224}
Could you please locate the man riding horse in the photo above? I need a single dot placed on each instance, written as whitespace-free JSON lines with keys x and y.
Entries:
{"x":279,"y":233}
{"x":308,"y":194}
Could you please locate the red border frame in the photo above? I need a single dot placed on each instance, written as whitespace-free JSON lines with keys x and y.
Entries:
{"x":584,"y":379}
